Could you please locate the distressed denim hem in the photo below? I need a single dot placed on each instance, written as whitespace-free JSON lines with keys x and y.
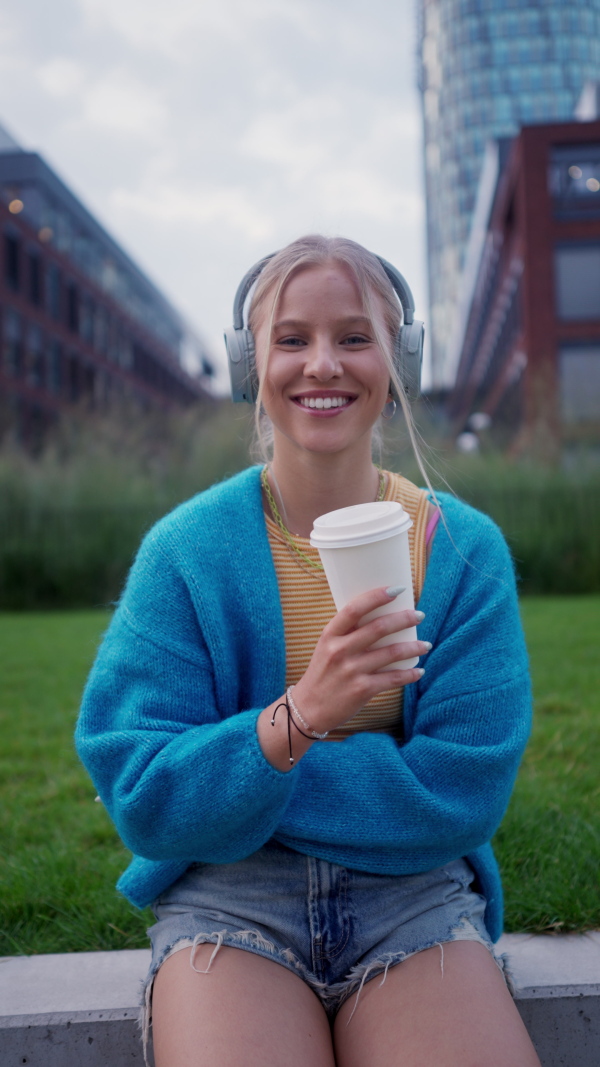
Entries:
{"x":366,"y":972}
{"x":501,"y":959}
{"x":331,"y":996}
{"x":250,"y":940}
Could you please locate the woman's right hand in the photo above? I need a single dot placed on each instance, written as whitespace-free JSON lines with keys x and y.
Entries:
{"x":344,"y":673}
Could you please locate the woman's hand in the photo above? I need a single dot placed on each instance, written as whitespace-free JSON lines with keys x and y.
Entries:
{"x":344,"y":673}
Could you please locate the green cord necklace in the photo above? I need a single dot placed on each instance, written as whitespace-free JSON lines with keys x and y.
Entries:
{"x":317,"y":566}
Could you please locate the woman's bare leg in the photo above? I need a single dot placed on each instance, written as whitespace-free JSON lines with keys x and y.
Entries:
{"x":246,"y":1012}
{"x":463,"y":1017}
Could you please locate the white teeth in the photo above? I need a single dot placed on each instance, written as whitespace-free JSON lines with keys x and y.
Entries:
{"x":324,"y":401}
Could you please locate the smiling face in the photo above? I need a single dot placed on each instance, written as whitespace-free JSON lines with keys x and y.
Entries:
{"x":325,"y":377}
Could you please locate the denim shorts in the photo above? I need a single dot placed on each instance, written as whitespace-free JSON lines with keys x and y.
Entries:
{"x":334,"y":927}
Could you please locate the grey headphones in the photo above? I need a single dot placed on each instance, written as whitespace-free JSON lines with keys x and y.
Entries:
{"x":241,"y":349}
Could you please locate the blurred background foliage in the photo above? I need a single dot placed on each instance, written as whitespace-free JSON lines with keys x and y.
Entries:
{"x":72,"y":516}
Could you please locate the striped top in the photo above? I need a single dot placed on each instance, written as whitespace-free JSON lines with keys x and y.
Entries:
{"x":307,"y":605}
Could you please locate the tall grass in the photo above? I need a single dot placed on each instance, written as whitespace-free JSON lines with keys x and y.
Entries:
{"x":72,"y":518}
{"x":549,"y":515}
{"x":551,"y":520}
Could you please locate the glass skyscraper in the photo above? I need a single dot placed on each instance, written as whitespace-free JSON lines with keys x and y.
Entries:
{"x":488,"y":67}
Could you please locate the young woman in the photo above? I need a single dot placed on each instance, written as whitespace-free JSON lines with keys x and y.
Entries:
{"x":339,"y":909}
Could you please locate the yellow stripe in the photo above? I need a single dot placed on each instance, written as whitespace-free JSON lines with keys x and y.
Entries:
{"x":307,"y":605}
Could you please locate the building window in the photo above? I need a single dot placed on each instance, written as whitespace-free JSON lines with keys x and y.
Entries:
{"x":13,"y":343}
{"x":125,"y":351}
{"x":55,"y":367}
{"x":11,"y":261}
{"x":101,"y":330}
{"x":37,"y":362}
{"x":73,"y":377}
{"x":88,"y":383}
{"x":86,"y":319}
{"x":580,"y":384}
{"x":35,"y":279}
{"x":574,"y":180}
{"x":53,"y":291}
{"x":72,"y":307}
{"x":577,"y":272}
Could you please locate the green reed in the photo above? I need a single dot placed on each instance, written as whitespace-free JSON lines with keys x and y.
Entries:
{"x":72,"y":518}
{"x":551,"y":521}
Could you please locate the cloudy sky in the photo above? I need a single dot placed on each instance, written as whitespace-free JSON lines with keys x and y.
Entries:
{"x":205,"y":133}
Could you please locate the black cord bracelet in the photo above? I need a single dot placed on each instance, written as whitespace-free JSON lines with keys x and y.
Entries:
{"x":290,"y":719}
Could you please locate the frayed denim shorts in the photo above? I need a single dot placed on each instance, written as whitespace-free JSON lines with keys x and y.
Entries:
{"x":334,"y":927}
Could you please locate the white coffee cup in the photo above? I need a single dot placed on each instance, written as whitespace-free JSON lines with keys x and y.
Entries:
{"x":363,"y":547}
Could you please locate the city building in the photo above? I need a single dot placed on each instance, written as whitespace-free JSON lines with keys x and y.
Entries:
{"x":488,"y":67}
{"x":527,"y":345}
{"x":79,"y":321}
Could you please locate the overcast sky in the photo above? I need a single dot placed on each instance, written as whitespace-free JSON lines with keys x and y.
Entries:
{"x":205,"y":134}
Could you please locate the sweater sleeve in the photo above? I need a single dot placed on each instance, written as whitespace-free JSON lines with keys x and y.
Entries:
{"x":443,"y":793}
{"x":181,"y":777}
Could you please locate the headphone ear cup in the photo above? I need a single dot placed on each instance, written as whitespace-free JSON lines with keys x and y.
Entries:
{"x":250,"y":355}
{"x":409,"y":357}
{"x":241,"y":357}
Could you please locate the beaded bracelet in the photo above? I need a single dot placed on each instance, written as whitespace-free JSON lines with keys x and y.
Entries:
{"x":313,"y":733}
{"x":290,"y":723}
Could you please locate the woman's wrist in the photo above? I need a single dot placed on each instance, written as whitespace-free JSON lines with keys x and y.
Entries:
{"x":282,"y":744}
{"x":295,"y":712}
{"x":309,"y":708}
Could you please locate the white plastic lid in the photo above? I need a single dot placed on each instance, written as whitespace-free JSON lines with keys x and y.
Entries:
{"x":359,"y":525}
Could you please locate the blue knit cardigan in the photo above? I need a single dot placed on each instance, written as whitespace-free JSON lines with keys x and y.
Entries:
{"x":195,"y":651}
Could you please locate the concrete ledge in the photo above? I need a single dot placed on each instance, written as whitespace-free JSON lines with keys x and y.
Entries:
{"x":81,"y":1009}
{"x":557,"y":991}
{"x":72,"y":1010}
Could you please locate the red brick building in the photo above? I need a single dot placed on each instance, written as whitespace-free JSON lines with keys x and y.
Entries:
{"x":527,"y":349}
{"x":79,"y":321}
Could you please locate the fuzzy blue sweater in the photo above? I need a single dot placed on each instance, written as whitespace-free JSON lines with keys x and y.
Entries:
{"x":196,"y":650}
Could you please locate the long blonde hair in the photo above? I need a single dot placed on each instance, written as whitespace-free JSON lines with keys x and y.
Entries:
{"x":312,"y":251}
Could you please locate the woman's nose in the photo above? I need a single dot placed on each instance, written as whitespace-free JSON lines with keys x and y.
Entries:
{"x":322,"y":361}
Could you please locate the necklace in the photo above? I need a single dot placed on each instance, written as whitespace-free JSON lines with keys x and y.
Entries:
{"x":316,"y":566}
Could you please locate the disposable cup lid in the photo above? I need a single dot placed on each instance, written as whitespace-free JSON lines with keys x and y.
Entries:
{"x":359,"y":525}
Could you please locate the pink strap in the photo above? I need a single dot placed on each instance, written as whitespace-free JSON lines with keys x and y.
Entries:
{"x":431,"y":525}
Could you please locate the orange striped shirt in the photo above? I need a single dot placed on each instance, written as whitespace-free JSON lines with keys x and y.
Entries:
{"x":307,"y":605}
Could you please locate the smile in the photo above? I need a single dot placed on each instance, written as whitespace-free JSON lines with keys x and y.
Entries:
{"x":320,"y":402}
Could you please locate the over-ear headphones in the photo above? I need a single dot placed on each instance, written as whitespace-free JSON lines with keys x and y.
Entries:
{"x":241,"y":349}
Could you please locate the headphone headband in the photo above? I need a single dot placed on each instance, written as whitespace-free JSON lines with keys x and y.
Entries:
{"x":401,"y":288}
{"x":239,"y":340}
{"x":244,"y":288}
{"x":399,"y":283}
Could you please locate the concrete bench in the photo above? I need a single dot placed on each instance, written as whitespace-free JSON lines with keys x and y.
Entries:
{"x":81,"y":1009}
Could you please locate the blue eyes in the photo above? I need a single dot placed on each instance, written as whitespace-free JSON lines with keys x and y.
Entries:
{"x":298,"y":342}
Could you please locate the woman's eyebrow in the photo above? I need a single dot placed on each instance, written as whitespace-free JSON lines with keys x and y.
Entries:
{"x":350,"y":320}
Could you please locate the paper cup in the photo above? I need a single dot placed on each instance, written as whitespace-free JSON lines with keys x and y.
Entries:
{"x":363,"y":547}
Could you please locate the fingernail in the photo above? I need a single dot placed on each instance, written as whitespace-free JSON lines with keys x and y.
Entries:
{"x":394,"y":590}
{"x":420,"y":615}
{"x":428,"y":645}
{"x":420,"y":671}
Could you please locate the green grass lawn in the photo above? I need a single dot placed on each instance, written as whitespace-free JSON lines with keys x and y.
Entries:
{"x":60,"y":857}
{"x":62,"y":853}
{"x":549,"y":843}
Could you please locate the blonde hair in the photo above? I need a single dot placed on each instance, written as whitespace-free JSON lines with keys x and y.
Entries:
{"x":312,"y":251}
